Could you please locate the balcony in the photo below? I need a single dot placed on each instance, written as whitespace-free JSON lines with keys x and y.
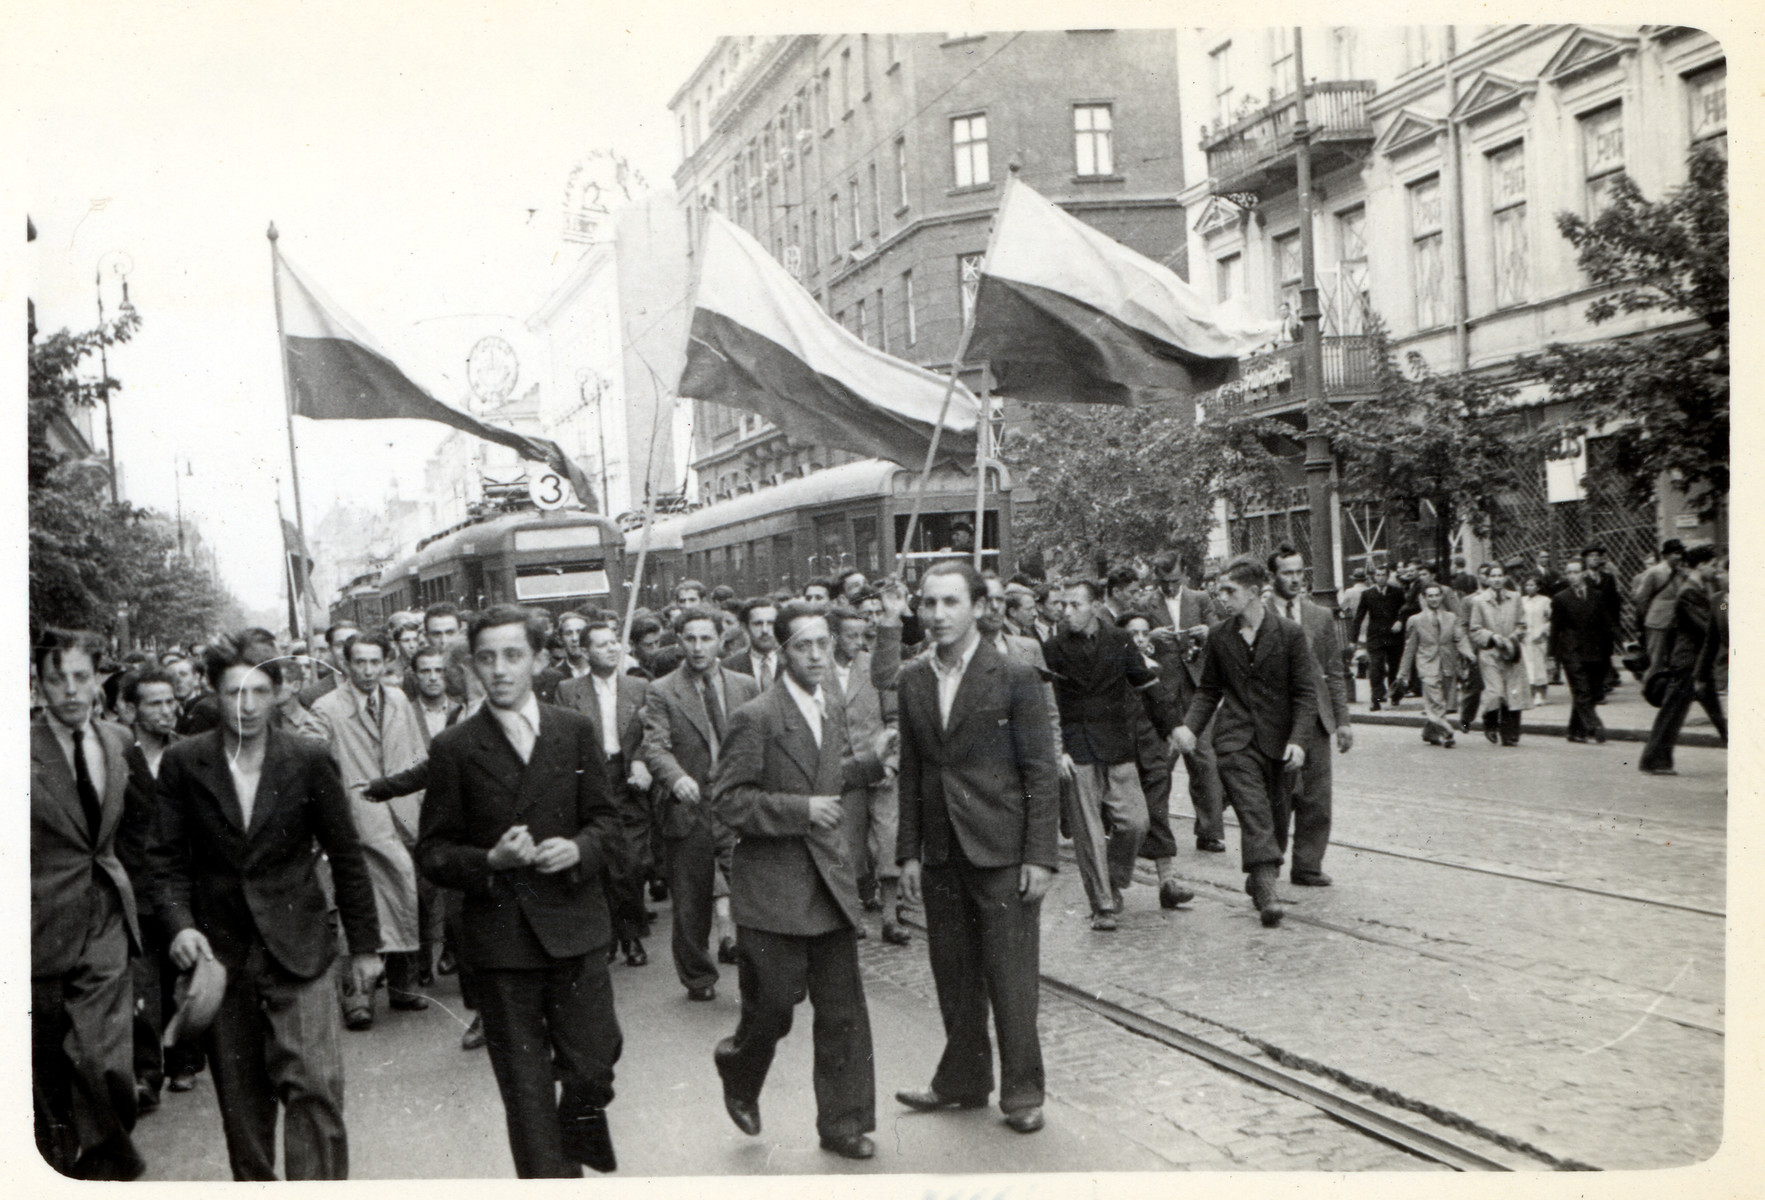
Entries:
{"x":1274,"y":383}
{"x":1257,"y":154}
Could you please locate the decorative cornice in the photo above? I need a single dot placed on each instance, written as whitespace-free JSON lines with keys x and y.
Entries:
{"x":1585,"y":50}
{"x":1408,"y":129}
{"x":1490,"y":92}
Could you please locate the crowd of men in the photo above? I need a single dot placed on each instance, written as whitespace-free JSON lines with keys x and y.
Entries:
{"x":503,"y":794}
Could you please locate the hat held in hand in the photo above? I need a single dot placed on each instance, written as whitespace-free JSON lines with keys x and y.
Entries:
{"x":197,"y":995}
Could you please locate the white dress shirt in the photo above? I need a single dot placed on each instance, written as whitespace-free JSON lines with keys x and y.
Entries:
{"x":521,"y":725}
{"x":950,"y":677}
{"x":245,"y":784}
{"x":606,"y":694}
{"x":809,"y":704}
{"x":765,"y":668}
{"x":434,"y":718}
{"x":844,"y":675}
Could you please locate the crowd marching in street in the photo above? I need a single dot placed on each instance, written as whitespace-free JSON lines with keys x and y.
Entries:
{"x":235,"y":846}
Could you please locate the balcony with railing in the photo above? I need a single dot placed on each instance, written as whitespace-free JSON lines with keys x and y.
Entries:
{"x":1257,"y":153}
{"x":1273,"y":383}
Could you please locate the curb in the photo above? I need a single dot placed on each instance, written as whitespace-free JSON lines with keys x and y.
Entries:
{"x":1554,"y":729}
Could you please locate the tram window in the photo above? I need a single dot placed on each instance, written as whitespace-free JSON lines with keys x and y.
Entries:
{"x":864,"y":541}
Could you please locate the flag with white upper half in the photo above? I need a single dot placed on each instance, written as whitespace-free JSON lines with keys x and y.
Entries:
{"x":1066,"y":313}
{"x":760,"y":342}
{"x":337,"y":372}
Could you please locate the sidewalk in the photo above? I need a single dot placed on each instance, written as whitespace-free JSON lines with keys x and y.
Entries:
{"x":1627,"y":716}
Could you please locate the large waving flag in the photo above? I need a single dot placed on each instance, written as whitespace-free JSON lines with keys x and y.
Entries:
{"x":1065,"y":313}
{"x":337,"y":372}
{"x":760,"y":342}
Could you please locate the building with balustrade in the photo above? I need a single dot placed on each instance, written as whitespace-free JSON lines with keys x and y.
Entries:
{"x":1441,"y":158}
{"x":871,"y":164}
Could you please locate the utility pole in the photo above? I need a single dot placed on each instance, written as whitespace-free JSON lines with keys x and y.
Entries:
{"x":104,"y":380}
{"x":1320,"y":460}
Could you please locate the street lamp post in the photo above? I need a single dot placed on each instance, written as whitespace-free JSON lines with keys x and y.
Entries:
{"x":1319,"y":458}
{"x":104,"y":367}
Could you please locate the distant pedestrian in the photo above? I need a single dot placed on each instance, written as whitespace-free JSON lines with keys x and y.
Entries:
{"x":1375,"y":622}
{"x":1655,"y":594}
{"x":1496,"y":626}
{"x":1436,"y":648}
{"x":1581,"y":638}
{"x":1180,"y":639}
{"x":1535,"y":649}
{"x":1695,"y":645}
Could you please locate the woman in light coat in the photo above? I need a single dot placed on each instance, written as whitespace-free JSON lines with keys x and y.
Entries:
{"x":1535,"y":607}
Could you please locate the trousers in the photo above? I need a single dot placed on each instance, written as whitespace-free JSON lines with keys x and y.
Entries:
{"x":984,"y":941}
{"x":626,"y":871}
{"x":1584,"y":692}
{"x":275,"y":1045}
{"x":1309,"y":801}
{"x":1670,"y":719}
{"x":1256,"y":788}
{"x":1106,"y":861}
{"x":777,"y":970}
{"x":553,"y":1038}
{"x":1383,"y":658}
{"x":692,"y":876}
{"x":873,"y":816}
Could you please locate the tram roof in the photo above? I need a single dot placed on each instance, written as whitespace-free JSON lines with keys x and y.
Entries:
{"x":492,"y":534}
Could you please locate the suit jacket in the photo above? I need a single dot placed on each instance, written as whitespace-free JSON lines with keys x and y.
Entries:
{"x":785,"y":875}
{"x":885,"y":671}
{"x":628,"y":697}
{"x":1379,"y":607}
{"x":1265,"y":696}
{"x":1095,"y":679}
{"x":1581,"y":629}
{"x":859,"y":698}
{"x":66,"y":858}
{"x":365,"y":751}
{"x":677,"y":741}
{"x":240,"y":885}
{"x":478,"y":788}
{"x":1193,"y":608}
{"x":1655,"y":594}
{"x":1331,"y":682}
{"x":1435,"y":644}
{"x":988,"y":785}
{"x":739,"y":662}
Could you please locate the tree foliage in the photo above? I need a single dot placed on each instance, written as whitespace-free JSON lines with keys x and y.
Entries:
{"x":1666,"y":392}
{"x":1445,"y":439}
{"x":1117,"y":483}
{"x":89,"y":557}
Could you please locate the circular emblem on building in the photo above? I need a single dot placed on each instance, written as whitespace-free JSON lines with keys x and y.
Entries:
{"x":492,"y":369}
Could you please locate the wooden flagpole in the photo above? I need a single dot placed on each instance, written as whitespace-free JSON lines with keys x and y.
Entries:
{"x":931,"y":451}
{"x":302,"y":579}
{"x":983,"y":430}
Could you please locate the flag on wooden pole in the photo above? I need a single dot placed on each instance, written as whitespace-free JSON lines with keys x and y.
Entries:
{"x":1066,"y":313}
{"x":337,"y":372}
{"x":760,"y":342}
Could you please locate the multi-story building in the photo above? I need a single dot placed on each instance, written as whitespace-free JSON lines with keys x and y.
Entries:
{"x":614,"y":333}
{"x":871,"y":164}
{"x":1441,"y":158}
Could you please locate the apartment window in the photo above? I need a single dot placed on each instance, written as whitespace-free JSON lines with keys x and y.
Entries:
{"x":1507,"y":196}
{"x":1281,"y":61}
{"x":857,"y":211}
{"x":864,"y":57}
{"x":1708,"y":93}
{"x":1287,"y":270}
{"x":1602,"y":155}
{"x":1428,"y":252}
{"x":1093,"y":134}
{"x":882,"y":323}
{"x":968,"y":275}
{"x":968,"y":141}
{"x":1220,"y":63}
{"x":812,"y":247}
{"x":876,"y":202}
{"x":824,"y":98}
{"x":863,"y":322}
{"x":1349,"y":306}
{"x":846,"y":81}
{"x":686,"y":147}
{"x":900,"y":173}
{"x":907,"y":301}
{"x":1228,"y":277}
{"x":833,"y":230}
{"x":698,"y":123}
{"x":892,"y":48}
{"x":1421,"y":46}
{"x":797,"y":246}
{"x":769,"y":144}
{"x":1343,"y":50}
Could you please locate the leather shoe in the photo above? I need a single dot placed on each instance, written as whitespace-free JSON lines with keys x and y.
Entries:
{"x":702,"y":994}
{"x":1025,"y":1120}
{"x":1576,"y":738}
{"x":359,"y":1020}
{"x":853,"y":1145}
{"x":635,"y":955}
{"x":445,"y":965}
{"x":726,"y":951}
{"x":894,"y":935}
{"x":183,"y":1082}
{"x":861,"y":933}
{"x":146,"y":1099}
{"x":473,"y":1038}
{"x":658,"y":890}
{"x":930,"y":1101}
{"x":1319,"y":879}
{"x":1171,"y":893}
{"x":409,"y":1002}
{"x":1211,"y":845}
{"x":1103,"y":922}
{"x":587,"y":1140}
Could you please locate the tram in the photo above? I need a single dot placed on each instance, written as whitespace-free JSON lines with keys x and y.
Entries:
{"x":854,"y":515}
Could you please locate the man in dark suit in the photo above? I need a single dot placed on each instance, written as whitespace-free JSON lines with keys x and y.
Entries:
{"x":776,"y":794}
{"x":1581,"y":638}
{"x":1603,"y":582}
{"x":1695,"y":644}
{"x":613,"y":703}
{"x":1258,"y":675}
{"x":760,"y":660}
{"x":1378,"y":612}
{"x":243,"y":813}
{"x":1180,"y":622}
{"x":1311,"y":800}
{"x":685,"y":719}
{"x":83,"y":922}
{"x":518,"y":817}
{"x":980,"y":794}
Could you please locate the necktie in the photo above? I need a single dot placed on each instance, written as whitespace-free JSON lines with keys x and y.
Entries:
{"x":83,"y":784}
{"x":713,"y":709}
{"x":374,"y":708}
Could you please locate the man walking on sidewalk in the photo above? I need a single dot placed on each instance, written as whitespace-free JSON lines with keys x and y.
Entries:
{"x":1698,"y":638}
{"x":1379,"y":608}
{"x":1258,"y":675}
{"x":1497,"y":622}
{"x":1581,"y":640}
{"x":1436,"y":647}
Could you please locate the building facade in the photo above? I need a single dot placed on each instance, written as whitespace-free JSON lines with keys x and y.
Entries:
{"x":871,"y":164}
{"x":1441,"y":158}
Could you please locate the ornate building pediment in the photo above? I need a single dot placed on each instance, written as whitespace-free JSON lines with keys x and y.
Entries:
{"x":1583,"y":51}
{"x":1408,"y":130}
{"x":1491,"y":93}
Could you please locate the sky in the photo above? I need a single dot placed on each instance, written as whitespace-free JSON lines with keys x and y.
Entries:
{"x":398,"y":147}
